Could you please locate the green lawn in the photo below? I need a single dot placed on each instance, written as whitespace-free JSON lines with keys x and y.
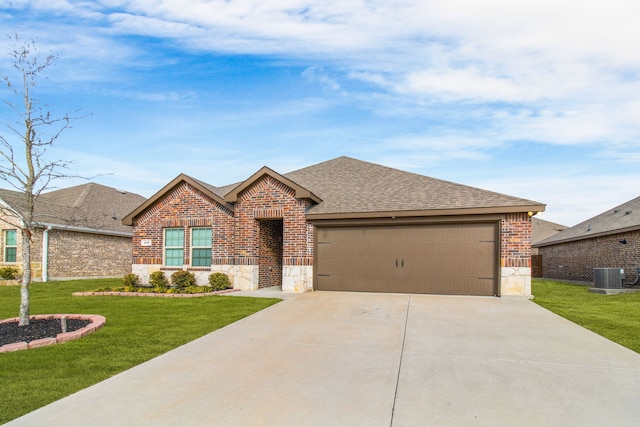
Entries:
{"x":137,"y":329}
{"x":616,"y":317}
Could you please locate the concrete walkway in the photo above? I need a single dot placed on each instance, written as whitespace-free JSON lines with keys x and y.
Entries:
{"x":347,"y":359}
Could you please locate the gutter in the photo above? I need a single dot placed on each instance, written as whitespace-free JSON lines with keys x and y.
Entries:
{"x":45,"y":254}
{"x":85,"y":230}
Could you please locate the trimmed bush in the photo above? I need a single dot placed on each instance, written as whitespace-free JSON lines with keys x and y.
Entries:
{"x":9,"y":272}
{"x":157,"y":279}
{"x":130,"y":280}
{"x":219,"y":281}
{"x":181,"y":279}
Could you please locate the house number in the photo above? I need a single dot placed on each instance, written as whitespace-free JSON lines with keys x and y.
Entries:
{"x":145,"y":242}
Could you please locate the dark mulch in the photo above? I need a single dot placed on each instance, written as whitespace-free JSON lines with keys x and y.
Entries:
{"x":11,"y":333}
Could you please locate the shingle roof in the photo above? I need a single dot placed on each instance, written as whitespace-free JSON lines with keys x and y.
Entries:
{"x":354,"y":188}
{"x":90,"y":205}
{"x":347,"y":185}
{"x":625,"y":217}
{"x":541,"y":229}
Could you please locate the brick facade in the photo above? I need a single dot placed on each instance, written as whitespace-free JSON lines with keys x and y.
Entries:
{"x":270,"y":251}
{"x":576,"y":260}
{"x":515,"y":245}
{"x":266,"y":231}
{"x":183,"y":207}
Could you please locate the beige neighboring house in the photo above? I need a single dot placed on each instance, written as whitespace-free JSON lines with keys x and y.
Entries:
{"x":541,"y":230}
{"x":79,"y":232}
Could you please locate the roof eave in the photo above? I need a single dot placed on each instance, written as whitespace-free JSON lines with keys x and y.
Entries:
{"x":88,"y":230}
{"x":590,"y":236}
{"x":430,"y":212}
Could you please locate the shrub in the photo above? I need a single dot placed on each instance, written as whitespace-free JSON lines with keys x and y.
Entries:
{"x":219,"y":281}
{"x":157,"y":279}
{"x":130,"y":280}
{"x":181,"y":279}
{"x":9,"y":272}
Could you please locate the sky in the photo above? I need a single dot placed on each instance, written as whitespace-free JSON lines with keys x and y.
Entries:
{"x":535,"y":99}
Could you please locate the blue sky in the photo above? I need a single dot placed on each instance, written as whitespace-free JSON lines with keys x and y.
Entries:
{"x":536,"y":99}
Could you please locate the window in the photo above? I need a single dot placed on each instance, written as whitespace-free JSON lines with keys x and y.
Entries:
{"x":174,"y":247}
{"x":10,"y":245}
{"x":201,"y":247}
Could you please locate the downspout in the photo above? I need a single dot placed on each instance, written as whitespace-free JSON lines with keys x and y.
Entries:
{"x":45,"y":254}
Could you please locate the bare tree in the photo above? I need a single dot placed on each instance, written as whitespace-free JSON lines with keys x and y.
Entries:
{"x":24,"y":163}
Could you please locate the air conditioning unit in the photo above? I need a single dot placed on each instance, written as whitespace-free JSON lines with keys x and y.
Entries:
{"x":608,"y":278}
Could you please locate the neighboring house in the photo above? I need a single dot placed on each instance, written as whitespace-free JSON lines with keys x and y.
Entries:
{"x":611,"y":239}
{"x":79,"y":232}
{"x":541,"y":230}
{"x":343,"y":224}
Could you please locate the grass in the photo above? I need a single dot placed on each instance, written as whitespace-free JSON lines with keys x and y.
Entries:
{"x":613,"y":316}
{"x":137,"y":329}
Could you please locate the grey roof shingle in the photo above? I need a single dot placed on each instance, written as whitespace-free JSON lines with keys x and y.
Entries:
{"x":625,"y":217}
{"x":541,"y":229}
{"x":354,"y":188}
{"x":347,"y":185}
{"x":90,"y":205}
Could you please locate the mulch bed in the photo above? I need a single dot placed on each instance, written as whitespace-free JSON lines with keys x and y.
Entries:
{"x":12,"y":333}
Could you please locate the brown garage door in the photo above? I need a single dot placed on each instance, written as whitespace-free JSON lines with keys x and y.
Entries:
{"x":451,"y":259}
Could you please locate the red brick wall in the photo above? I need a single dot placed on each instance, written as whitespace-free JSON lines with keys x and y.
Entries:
{"x":285,"y":237}
{"x":268,"y":198}
{"x":576,"y":260}
{"x":270,"y":262}
{"x":184,"y":206}
{"x":515,"y":249}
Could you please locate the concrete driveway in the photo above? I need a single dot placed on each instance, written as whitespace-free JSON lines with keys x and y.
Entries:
{"x":347,"y":359}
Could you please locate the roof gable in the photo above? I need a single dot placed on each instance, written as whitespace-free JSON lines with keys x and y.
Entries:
{"x":209,"y":190}
{"x":620,"y":219}
{"x":300,"y":192}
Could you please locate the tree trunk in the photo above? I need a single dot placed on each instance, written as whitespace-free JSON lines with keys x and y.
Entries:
{"x":26,"y":277}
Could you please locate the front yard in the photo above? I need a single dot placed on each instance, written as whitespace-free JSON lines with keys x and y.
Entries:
{"x":137,"y":329}
{"x":616,"y":317}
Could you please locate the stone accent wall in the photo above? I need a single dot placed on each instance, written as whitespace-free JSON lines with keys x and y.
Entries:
{"x":297,"y":278}
{"x":576,"y":260}
{"x":515,"y":255}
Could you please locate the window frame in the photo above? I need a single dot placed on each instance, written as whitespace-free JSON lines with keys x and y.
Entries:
{"x":166,"y":247}
{"x":7,"y":246}
{"x":208,"y":247}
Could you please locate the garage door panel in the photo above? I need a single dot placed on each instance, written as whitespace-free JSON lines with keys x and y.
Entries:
{"x":447,"y":267}
{"x":440,"y":259}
